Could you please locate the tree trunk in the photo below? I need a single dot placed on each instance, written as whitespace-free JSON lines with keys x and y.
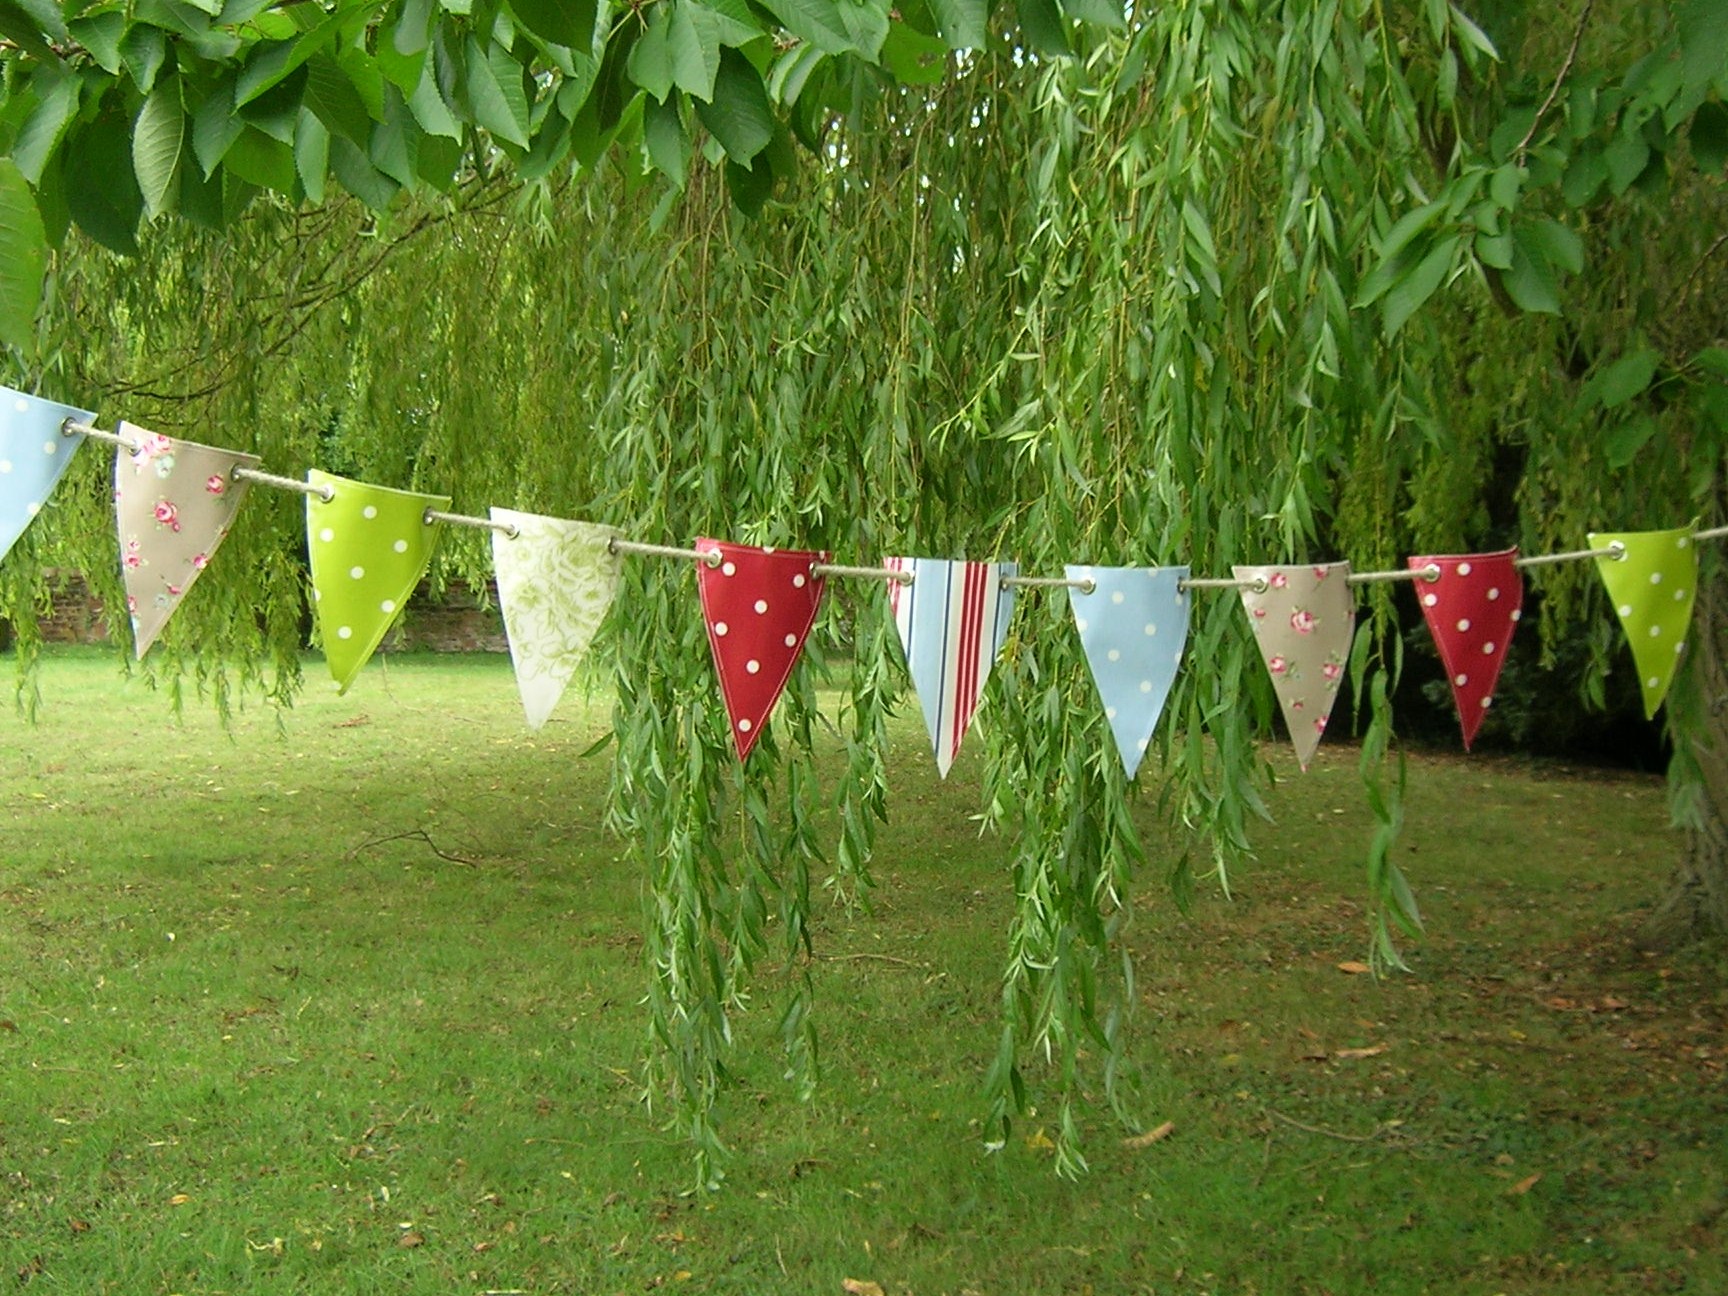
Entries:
{"x":1696,"y":904}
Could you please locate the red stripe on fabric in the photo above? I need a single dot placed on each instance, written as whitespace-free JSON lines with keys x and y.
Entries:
{"x":971,"y":635}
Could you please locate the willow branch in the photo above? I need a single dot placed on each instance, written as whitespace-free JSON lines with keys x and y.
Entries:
{"x":1560,"y":80}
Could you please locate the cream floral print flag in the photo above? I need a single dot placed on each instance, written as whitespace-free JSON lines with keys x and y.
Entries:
{"x":1304,"y":619}
{"x":556,"y":579}
{"x":370,"y":546}
{"x":174,"y":502}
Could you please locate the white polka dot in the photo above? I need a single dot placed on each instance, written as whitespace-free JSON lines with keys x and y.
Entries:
{"x":798,"y":581}
{"x":326,"y":535}
{"x":1116,"y":596}
{"x":1109,"y":713}
{"x":50,"y":448}
{"x":1655,"y":631}
{"x":744,"y":726}
{"x":728,"y":569}
{"x":1461,"y":680}
{"x":1493,"y":593}
{"x":1145,"y":686}
{"x":1487,"y":702}
{"x":752,"y":665}
{"x":1681,"y":543}
{"x":22,"y":406}
{"x":1679,"y":596}
{"x":720,"y":628}
{"x":1141,"y":745}
{"x":1150,"y":630}
{"x":1429,"y":600}
{"x":387,"y":606}
{"x":1463,"y":625}
{"x":401,"y":546}
{"x":1653,"y":683}
{"x":1463,"y":569}
{"x":1656,"y":578}
{"x":369,"y":512}
{"x":344,"y":632}
{"x":1488,"y":649}
{"x":1625,"y":610}
{"x":791,"y":641}
{"x":767,"y":549}
{"x":5,"y":465}
{"x":1517,"y":614}
{"x":1080,"y":624}
{"x":1679,"y":648}
{"x":1114,"y":655}
{"x":761,"y":606}
{"x":317,"y":596}
{"x":358,"y":573}
{"x":33,"y":507}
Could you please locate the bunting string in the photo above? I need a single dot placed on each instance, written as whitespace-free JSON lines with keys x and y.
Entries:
{"x":1429,"y":573}
{"x":509,"y":529}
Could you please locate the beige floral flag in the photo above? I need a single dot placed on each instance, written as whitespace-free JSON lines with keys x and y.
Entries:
{"x":1304,"y":619}
{"x":174,"y":502}
{"x":556,"y":579}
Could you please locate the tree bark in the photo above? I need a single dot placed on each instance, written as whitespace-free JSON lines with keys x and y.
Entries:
{"x":1695,"y":908}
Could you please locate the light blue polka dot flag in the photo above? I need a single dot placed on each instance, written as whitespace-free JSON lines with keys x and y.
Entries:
{"x":1133,"y":624}
{"x":33,"y":455}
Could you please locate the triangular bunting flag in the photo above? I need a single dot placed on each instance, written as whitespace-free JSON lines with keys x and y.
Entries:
{"x":759,"y":605}
{"x":33,"y":455}
{"x":953,"y":619}
{"x":174,"y":502}
{"x":1653,"y":588}
{"x":1471,"y":610}
{"x":1133,"y":624}
{"x":370,"y":546}
{"x":555,"y":581}
{"x":1304,"y":619}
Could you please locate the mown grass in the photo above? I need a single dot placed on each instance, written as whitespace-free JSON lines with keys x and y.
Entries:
{"x":350,"y":1003}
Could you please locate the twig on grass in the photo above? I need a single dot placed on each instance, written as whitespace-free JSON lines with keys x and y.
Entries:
{"x":1379,"y":1130}
{"x":872,"y":958}
{"x":415,"y":834}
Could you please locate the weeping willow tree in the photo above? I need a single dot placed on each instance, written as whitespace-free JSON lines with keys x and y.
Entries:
{"x":1237,"y":283}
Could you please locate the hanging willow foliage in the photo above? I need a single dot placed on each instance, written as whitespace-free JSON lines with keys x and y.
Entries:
{"x":1098,"y":310}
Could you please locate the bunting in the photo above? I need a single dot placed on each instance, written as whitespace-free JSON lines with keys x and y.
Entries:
{"x":1472,"y":609}
{"x":1133,"y":624}
{"x":556,"y":579}
{"x":759,"y":605}
{"x":1304,"y":622}
{"x":953,"y":620}
{"x":369,"y":547}
{"x":1652,"y":587}
{"x":174,"y":502}
{"x":33,"y":456}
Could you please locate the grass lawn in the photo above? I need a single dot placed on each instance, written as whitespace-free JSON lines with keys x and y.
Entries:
{"x":349,"y":1002}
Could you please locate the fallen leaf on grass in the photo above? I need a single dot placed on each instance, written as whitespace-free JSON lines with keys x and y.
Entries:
{"x":1151,"y":1136}
{"x":179,"y":1199}
{"x":1523,"y":1185}
{"x":79,"y":1226}
{"x":861,"y":1287}
{"x":411,"y":1239}
{"x":9,"y":1026}
{"x":1353,"y":967}
{"x":1039,"y":1141}
{"x":1373,"y":1050}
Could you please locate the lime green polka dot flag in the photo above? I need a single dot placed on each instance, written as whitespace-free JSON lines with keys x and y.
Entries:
{"x":1653,"y":587}
{"x":370,"y":546}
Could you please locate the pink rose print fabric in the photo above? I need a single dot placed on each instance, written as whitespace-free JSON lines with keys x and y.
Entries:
{"x":174,"y":502}
{"x":1304,"y":621}
{"x":1471,"y":611}
{"x":759,"y":605}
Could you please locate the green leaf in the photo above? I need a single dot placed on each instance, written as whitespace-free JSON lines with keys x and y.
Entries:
{"x":664,"y":138}
{"x":1530,"y":281}
{"x":412,"y":33}
{"x":1406,"y":296}
{"x":1622,"y":444}
{"x":495,"y":93}
{"x":1626,"y":155}
{"x":102,"y":193}
{"x":693,"y":45}
{"x":1495,"y":250}
{"x":1043,"y":27}
{"x":359,"y":177}
{"x":1584,"y":176}
{"x":332,"y":96}
{"x":1628,"y":376}
{"x":100,"y":34}
{"x":1713,"y":360}
{"x":914,"y":58}
{"x":750,"y":186}
{"x":1470,"y":36}
{"x":23,"y":259}
{"x":817,"y":21}
{"x":395,"y":144}
{"x":311,"y":154}
{"x":22,"y":30}
{"x":1504,"y":185}
{"x":1559,"y":244}
{"x":866,"y":26}
{"x":964,"y":24}
{"x":791,"y":70}
{"x":429,"y":108}
{"x":236,"y":12}
{"x":143,"y":50}
{"x":43,"y":129}
{"x":1394,"y":261}
{"x":215,"y":127}
{"x":158,"y":143}
{"x":1709,"y":137}
{"x":1703,"y":28}
{"x":650,"y":62}
{"x":200,"y":201}
{"x":563,"y":22}
{"x":739,"y":116}
{"x":1102,"y":13}
{"x":259,"y":159}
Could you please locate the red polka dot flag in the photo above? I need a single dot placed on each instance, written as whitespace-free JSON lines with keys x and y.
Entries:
{"x":759,"y":605}
{"x":1471,"y":611}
